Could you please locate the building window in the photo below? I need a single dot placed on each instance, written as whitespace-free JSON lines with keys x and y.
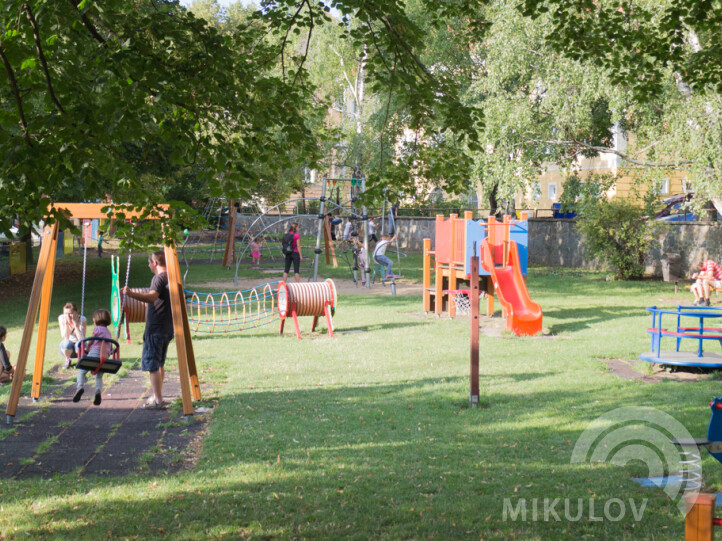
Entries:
{"x":536,"y":191}
{"x":664,"y":187}
{"x":552,"y":191}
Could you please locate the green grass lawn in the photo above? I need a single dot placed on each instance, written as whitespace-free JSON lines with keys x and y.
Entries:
{"x":369,"y":434}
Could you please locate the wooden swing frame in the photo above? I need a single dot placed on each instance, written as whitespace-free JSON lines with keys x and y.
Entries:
{"x":41,"y":296}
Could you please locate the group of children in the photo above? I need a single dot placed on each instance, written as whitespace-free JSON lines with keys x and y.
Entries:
{"x":72,"y":331}
{"x":71,"y":325}
{"x":379,"y":253}
{"x":709,"y":276}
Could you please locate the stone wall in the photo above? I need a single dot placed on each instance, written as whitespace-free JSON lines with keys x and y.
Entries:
{"x":556,"y":243}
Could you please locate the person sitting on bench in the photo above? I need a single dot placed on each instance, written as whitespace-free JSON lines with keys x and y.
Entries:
{"x":709,"y":276}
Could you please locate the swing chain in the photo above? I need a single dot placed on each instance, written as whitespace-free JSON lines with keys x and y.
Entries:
{"x":127,"y":275}
{"x":86,"y":238}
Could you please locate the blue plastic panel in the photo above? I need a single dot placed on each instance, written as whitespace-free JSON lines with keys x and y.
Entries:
{"x":475,"y":233}
{"x":520,"y":234}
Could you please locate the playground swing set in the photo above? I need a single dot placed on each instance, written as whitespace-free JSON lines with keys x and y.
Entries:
{"x":502,"y":259}
{"x":40,"y":299}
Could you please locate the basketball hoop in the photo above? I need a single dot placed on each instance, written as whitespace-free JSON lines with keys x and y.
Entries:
{"x":460,"y":298}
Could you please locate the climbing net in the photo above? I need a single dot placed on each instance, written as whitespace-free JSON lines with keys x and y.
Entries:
{"x":232,"y":311}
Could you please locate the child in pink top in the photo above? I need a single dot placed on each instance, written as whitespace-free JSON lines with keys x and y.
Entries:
{"x":256,"y":246}
{"x":98,"y":350}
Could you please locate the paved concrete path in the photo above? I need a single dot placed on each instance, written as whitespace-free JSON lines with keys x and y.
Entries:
{"x":115,"y":438}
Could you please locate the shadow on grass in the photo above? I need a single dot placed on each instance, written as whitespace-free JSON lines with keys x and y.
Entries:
{"x":585,"y":318}
{"x":392,"y":460}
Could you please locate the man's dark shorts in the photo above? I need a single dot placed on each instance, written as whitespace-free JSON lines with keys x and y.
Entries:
{"x":155,"y":348}
{"x":294,"y":258}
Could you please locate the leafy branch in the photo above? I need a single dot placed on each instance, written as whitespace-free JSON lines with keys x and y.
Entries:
{"x":41,"y":56}
{"x":16,"y":94}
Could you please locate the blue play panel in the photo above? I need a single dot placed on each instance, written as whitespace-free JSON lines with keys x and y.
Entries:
{"x":659,"y":482}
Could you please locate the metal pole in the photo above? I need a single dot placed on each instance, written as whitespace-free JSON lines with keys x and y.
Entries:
{"x":317,"y":251}
{"x":474,"y":350}
{"x":367,"y":269}
{"x":383,"y":214}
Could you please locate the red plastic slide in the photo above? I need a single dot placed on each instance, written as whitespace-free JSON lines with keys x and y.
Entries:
{"x":523,"y":316}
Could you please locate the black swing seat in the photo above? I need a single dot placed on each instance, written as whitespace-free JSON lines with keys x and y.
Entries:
{"x":111,"y":365}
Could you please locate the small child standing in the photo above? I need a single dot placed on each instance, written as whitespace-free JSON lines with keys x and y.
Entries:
{"x":98,"y":349}
{"x":361,"y":251}
{"x":100,"y":244}
{"x":256,"y":245}
{"x":6,"y":369}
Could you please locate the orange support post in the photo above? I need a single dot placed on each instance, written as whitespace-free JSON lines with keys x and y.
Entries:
{"x":439,"y":289}
{"x":46,"y":295}
{"x":427,"y":276}
{"x":184,"y":345}
{"x":507,"y":236}
{"x":452,"y":267}
{"x":50,"y":236}
{"x":699,"y":522}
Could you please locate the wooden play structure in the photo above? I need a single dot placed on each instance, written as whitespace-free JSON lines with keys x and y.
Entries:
{"x":502,"y":257}
{"x":41,"y":295}
{"x":307,"y":299}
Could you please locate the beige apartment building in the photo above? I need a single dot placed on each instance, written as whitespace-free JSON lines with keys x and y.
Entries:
{"x":546,"y":190}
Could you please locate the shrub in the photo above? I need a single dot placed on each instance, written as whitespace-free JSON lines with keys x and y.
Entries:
{"x":617,"y":232}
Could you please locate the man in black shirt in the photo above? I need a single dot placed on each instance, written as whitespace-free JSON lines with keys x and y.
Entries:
{"x":158,"y":327}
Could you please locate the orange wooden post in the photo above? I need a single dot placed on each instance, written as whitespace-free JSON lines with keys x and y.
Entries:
{"x":439,"y":289}
{"x":699,"y":522}
{"x":452,"y":268}
{"x":491,"y":239}
{"x":438,"y":273}
{"x":507,"y":236}
{"x":426,"y":295}
{"x":184,"y":345}
{"x":490,"y":292}
{"x":50,"y":236}
{"x":46,"y":296}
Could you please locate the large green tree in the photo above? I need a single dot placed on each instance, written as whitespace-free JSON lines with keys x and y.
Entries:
{"x":95,"y":96}
{"x":540,"y":107}
{"x":666,"y":54}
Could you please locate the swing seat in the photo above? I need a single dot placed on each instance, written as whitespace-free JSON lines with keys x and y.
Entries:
{"x":93,"y":364}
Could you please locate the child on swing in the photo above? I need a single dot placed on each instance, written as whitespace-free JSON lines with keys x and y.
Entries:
{"x":6,"y":369}
{"x":256,"y":246}
{"x":98,"y":349}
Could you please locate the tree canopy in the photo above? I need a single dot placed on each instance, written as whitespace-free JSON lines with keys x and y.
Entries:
{"x":147,"y":102}
{"x":115,"y":98}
